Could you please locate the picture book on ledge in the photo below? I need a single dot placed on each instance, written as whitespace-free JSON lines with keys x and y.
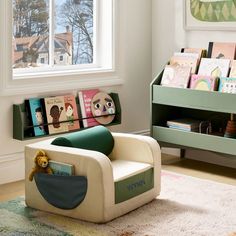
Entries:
{"x":71,"y":112}
{"x":221,"y":50}
{"x":227,"y":85}
{"x":85,"y":99}
{"x":202,"y":82}
{"x":56,"y":114}
{"x":36,"y":116}
{"x":214,"y":67}
{"x":176,"y":76}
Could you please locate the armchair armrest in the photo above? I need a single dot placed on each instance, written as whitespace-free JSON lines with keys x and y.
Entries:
{"x":135,"y":148}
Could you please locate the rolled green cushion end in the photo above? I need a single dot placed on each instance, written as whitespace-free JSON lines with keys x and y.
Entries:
{"x":97,"y":138}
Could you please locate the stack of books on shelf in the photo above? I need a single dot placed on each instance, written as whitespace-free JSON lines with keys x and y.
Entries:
{"x":189,"y":125}
{"x":191,"y":69}
{"x":60,"y":114}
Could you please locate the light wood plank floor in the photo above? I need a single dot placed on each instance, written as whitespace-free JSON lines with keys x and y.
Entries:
{"x":183,"y":166}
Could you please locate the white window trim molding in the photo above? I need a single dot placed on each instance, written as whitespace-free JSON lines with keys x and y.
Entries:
{"x":42,"y":82}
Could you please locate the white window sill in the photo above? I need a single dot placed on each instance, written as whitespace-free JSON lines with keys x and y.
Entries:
{"x":45,"y":82}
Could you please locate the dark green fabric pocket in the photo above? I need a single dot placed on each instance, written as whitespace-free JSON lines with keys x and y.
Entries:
{"x":65,"y":192}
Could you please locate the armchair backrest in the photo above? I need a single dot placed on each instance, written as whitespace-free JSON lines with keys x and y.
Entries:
{"x":97,"y":138}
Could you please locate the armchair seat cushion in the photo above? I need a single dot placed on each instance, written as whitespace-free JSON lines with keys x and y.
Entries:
{"x":123,"y":169}
{"x":131,"y":179}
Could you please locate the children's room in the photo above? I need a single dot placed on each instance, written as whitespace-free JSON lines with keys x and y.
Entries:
{"x":118,"y":117}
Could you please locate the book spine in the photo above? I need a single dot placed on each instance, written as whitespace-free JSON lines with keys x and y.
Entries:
{"x":210,"y":49}
{"x":82,"y":109}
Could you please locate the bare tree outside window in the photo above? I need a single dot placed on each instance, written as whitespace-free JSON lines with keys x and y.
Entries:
{"x":77,"y":16}
{"x":72,"y":32}
{"x":30,"y":31}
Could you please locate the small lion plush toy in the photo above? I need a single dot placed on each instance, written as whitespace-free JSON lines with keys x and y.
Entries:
{"x":41,"y":164}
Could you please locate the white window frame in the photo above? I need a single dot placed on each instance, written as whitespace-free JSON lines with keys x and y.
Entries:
{"x":105,"y":73}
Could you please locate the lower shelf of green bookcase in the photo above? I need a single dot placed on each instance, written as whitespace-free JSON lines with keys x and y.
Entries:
{"x":194,"y":140}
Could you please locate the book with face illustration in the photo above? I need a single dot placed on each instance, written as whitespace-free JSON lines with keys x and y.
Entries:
{"x":176,"y":76}
{"x":71,"y":112}
{"x":55,"y":112}
{"x":185,"y":59}
{"x":214,"y":67}
{"x":37,"y":116}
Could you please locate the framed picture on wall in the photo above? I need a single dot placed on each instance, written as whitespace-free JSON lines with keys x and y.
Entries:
{"x":210,"y":14}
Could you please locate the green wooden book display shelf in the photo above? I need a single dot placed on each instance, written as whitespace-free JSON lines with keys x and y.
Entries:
{"x":168,"y":103}
{"x":23,"y":131}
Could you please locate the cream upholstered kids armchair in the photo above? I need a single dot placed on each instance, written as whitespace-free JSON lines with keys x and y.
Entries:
{"x":114,"y":174}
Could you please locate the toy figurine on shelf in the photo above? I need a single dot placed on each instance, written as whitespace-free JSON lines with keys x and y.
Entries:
{"x":230,"y":131}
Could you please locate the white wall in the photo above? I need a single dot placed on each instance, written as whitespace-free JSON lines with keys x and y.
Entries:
{"x":135,"y":69}
{"x":169,"y":36}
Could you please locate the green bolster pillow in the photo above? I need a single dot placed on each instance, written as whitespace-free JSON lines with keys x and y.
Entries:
{"x":97,"y":138}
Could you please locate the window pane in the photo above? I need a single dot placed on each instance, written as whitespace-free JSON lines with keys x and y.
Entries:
{"x":30,"y":33}
{"x":73,"y":32}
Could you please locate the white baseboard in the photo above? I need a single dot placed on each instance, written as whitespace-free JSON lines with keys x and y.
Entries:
{"x":12,"y":168}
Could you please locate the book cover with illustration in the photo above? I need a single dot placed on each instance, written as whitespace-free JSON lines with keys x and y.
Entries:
{"x":200,"y":51}
{"x":176,"y":76}
{"x":185,"y":59}
{"x":203,"y":82}
{"x":103,"y":108}
{"x":214,"y":67}
{"x":37,"y":116}
{"x":233,"y":69}
{"x":55,"y":113}
{"x":71,"y":112}
{"x":61,"y":168}
{"x":227,"y":85}
{"x":221,"y":50}
{"x":85,"y":98}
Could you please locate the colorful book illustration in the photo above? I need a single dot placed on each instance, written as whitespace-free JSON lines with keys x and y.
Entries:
{"x":71,"y":112}
{"x":203,"y":82}
{"x":221,"y":50}
{"x":61,"y":168}
{"x":37,"y":116}
{"x":233,"y":69}
{"x":184,"y":59}
{"x":85,"y":98}
{"x":176,"y":76}
{"x":214,"y":67}
{"x":227,"y":85}
{"x":56,"y":114}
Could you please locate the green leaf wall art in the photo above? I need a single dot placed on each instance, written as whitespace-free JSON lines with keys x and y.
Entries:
{"x":213,"y":10}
